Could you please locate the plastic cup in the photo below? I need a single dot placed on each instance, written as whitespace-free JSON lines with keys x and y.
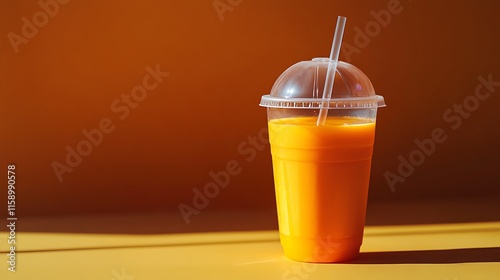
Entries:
{"x":321,"y":172}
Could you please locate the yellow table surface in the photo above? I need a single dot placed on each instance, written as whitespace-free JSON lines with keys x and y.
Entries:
{"x":441,"y":251}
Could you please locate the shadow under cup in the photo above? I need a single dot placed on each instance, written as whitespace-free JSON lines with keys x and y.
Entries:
{"x":321,"y":176}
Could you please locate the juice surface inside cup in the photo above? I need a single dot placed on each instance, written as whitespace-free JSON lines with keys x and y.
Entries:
{"x":321,"y":176}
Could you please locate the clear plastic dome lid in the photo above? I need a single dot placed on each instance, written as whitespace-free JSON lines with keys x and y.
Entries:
{"x":301,"y":86}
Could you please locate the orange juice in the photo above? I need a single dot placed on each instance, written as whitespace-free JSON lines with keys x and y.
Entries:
{"x":321,"y":176}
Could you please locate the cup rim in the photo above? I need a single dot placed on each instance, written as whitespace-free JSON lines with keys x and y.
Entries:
{"x":366,"y":102}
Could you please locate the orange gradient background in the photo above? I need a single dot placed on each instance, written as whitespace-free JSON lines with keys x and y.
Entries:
{"x":64,"y":79}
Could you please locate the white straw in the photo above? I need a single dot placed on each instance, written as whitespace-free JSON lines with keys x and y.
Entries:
{"x":332,"y":68}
